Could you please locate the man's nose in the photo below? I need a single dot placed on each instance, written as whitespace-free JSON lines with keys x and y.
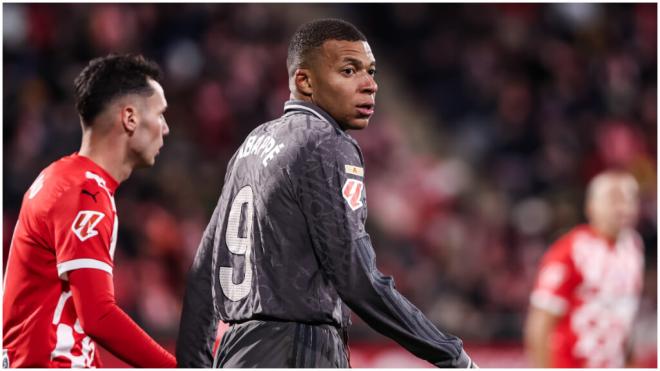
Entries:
{"x":370,"y":86}
{"x":166,"y":128}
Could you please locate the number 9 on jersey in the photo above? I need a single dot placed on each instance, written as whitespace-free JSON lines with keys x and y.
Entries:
{"x":238,"y":238}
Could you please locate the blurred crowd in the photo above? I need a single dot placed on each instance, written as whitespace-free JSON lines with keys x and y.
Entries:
{"x":490,"y":120}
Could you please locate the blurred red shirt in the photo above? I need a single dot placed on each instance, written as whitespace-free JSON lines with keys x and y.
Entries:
{"x":594,"y":286}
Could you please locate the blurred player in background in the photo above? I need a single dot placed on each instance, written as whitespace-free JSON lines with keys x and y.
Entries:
{"x":59,"y":296}
{"x":286,"y":249}
{"x":589,"y":283}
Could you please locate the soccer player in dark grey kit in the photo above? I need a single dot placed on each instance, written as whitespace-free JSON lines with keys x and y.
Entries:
{"x":286,"y":253}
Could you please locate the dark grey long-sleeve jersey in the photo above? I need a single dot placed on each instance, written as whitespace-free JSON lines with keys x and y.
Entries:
{"x":287,"y":242}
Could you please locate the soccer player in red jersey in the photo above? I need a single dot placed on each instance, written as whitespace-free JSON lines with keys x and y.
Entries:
{"x":589,"y":283}
{"x":58,"y":301}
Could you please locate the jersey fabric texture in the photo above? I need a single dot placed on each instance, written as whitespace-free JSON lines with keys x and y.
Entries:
{"x":290,"y":344}
{"x":287,"y":243}
{"x":594,"y":286}
{"x":67,"y":221}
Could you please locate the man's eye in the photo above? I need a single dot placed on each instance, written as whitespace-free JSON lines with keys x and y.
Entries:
{"x":372,"y":72}
{"x":348,"y":71}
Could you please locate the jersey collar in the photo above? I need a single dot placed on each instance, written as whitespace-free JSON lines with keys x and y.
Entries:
{"x":292,"y":106}
{"x":300,"y":105}
{"x":110,"y":182}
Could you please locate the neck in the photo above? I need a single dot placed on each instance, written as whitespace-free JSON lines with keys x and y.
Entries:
{"x":603,"y":231}
{"x":297,"y":96}
{"x":107,"y":154}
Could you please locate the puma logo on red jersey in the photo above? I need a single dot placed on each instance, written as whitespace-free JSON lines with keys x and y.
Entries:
{"x":352,"y":193}
{"x":84,"y":223}
{"x":90,"y":194}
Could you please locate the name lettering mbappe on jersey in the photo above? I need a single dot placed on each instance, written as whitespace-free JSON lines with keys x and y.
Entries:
{"x":262,"y":145}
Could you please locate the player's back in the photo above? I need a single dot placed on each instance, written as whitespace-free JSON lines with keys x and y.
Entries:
{"x":286,"y":254}
{"x":266,"y":264}
{"x":39,"y":322}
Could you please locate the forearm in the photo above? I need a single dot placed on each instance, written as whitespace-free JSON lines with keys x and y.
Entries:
{"x":373,"y":297}
{"x":537,"y":337}
{"x":198,"y":318}
{"x":128,"y":342}
{"x":198,"y":324}
{"x":538,"y":351}
{"x":104,"y":322}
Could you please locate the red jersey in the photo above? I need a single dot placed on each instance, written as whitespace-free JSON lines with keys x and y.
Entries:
{"x":594,"y":286}
{"x":67,"y":221}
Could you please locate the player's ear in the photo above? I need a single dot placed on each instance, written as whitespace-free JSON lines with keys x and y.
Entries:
{"x":129,"y":118}
{"x":302,"y":79}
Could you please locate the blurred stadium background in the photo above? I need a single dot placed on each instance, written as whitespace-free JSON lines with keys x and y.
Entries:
{"x":490,"y":121}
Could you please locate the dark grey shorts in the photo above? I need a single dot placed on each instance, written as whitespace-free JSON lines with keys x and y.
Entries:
{"x":281,"y":344}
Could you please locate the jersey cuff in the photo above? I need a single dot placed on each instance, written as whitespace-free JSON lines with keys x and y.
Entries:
{"x":70,"y":265}
{"x":549,"y":302}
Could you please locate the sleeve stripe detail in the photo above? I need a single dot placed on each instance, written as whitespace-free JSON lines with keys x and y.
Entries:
{"x":550,"y":302}
{"x":70,"y":265}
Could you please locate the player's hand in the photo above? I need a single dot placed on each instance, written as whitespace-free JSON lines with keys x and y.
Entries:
{"x":463,"y":361}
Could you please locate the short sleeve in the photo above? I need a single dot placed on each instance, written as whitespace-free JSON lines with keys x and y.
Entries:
{"x":84,"y":226}
{"x":556,"y":280}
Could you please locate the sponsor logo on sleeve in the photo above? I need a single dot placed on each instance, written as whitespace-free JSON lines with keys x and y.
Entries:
{"x":352,"y":193}
{"x":355,"y":170}
{"x":85,"y":222}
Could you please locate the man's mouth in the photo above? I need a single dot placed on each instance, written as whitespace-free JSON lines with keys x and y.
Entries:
{"x":366,"y":109}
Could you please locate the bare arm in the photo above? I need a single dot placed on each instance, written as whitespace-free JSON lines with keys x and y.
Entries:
{"x":538,"y":328}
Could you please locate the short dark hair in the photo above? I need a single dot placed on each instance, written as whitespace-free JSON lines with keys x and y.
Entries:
{"x":110,"y":77}
{"x":313,"y":34}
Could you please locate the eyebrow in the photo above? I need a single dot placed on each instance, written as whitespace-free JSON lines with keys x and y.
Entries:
{"x":357,"y":62}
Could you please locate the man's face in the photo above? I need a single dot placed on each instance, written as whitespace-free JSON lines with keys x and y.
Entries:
{"x":342,"y":78}
{"x":147,"y":139}
{"x":615,"y":204}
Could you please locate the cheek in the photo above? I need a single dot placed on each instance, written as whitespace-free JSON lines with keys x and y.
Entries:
{"x":632,"y":210}
{"x":338,"y":92}
{"x":345,"y":105}
{"x":146,"y":135}
{"x":153,"y":128}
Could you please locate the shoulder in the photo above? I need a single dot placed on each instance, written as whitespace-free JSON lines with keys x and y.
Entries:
{"x":51,"y":184}
{"x":632,"y":243}
{"x":306,"y":127}
{"x":318,"y":136}
{"x":561,"y":249}
{"x":78,"y":192}
{"x":634,"y":237}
